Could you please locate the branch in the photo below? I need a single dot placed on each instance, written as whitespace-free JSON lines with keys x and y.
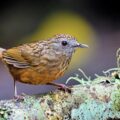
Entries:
{"x":95,"y":101}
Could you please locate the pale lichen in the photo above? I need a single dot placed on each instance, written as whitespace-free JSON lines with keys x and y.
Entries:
{"x":21,"y":110}
{"x":95,"y":110}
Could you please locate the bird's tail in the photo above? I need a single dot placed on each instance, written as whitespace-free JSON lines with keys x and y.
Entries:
{"x":1,"y":50}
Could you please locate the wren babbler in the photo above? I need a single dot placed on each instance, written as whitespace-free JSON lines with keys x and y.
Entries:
{"x":41,"y":62}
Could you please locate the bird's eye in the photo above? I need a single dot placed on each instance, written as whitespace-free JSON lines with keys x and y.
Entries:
{"x":64,"y":43}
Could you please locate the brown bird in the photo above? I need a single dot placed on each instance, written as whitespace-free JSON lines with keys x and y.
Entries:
{"x":41,"y":62}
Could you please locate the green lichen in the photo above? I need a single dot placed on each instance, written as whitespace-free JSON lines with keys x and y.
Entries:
{"x":118,"y":57}
{"x":4,"y":113}
{"x":115,"y":97}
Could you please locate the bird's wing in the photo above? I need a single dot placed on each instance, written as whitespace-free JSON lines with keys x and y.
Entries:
{"x":13,"y":57}
{"x":24,"y":56}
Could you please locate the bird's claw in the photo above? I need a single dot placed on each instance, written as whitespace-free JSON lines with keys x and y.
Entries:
{"x":64,"y":88}
{"x":19,"y":98}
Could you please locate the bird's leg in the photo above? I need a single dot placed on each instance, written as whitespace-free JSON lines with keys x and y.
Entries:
{"x":16,"y":96}
{"x":61,"y":86}
{"x":15,"y":89}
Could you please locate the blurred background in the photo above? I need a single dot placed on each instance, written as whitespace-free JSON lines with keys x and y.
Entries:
{"x":96,"y":23}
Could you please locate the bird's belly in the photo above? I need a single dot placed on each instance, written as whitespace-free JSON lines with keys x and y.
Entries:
{"x":30,"y":76}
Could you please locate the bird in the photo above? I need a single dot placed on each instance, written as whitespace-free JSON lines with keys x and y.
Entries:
{"x":41,"y":62}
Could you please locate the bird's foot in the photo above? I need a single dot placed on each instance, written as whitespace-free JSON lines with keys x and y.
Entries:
{"x":61,"y":87}
{"x":64,"y":88}
{"x":19,"y":97}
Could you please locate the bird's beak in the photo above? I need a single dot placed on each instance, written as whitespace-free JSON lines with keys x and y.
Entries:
{"x":79,"y":45}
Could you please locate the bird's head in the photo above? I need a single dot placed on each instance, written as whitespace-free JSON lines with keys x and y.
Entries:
{"x":66,"y":44}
